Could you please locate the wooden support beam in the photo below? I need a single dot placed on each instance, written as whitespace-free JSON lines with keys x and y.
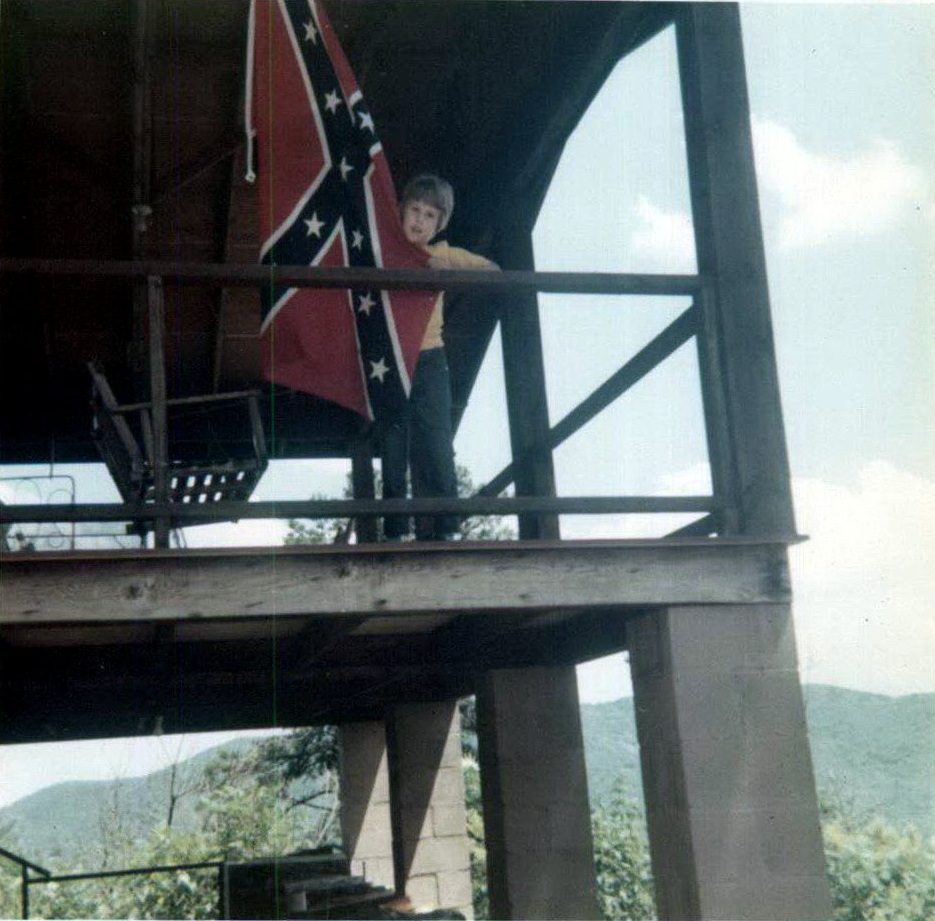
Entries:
{"x":540,"y":576}
{"x":649,"y":357}
{"x":157,"y":396}
{"x":363,"y":487}
{"x":524,"y":376}
{"x":701,"y":527}
{"x":229,"y":510}
{"x":253,"y":275}
{"x":729,"y":240}
{"x":224,"y":231}
{"x":142,"y":184}
{"x":721,"y":458}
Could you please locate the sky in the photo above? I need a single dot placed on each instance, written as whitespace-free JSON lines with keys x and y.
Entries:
{"x":842,"y":99}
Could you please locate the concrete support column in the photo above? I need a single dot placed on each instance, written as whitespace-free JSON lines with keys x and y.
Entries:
{"x":727,"y":773}
{"x":365,"y":802}
{"x":430,"y":843}
{"x":537,"y":819}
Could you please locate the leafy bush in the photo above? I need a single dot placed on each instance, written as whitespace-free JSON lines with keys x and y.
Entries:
{"x":621,"y":859}
{"x":877,"y":872}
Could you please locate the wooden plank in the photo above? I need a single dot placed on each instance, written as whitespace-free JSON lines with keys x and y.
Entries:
{"x":270,"y":583}
{"x":343,"y":508}
{"x":729,"y":237}
{"x":253,"y":275}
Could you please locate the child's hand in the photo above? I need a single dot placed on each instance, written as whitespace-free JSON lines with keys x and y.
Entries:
{"x":482,"y":264}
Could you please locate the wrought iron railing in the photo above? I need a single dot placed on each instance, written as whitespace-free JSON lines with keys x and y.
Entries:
{"x":46,"y":876}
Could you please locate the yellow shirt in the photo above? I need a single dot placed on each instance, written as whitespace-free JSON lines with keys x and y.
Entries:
{"x":456,"y":258}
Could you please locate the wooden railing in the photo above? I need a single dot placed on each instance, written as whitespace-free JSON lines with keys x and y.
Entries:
{"x":698,"y":321}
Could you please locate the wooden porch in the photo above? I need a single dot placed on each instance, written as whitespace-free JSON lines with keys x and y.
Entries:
{"x":123,"y":643}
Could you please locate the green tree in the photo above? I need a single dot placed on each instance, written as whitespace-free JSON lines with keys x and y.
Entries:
{"x":10,"y":873}
{"x":876,"y":871}
{"x":337,"y":530}
{"x":621,"y":859}
{"x":274,"y":798}
{"x":475,"y":830}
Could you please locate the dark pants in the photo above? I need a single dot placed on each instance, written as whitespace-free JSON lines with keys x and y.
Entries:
{"x":420,"y":438}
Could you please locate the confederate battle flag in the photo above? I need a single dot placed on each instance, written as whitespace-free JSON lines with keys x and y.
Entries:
{"x":326,"y":198}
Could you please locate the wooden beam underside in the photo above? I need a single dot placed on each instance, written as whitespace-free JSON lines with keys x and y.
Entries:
{"x":301,"y":581}
{"x":128,"y":643}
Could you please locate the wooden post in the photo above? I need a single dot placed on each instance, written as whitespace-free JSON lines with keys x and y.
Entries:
{"x":717,"y":429}
{"x":524,"y":376}
{"x":729,"y":238}
{"x":362,"y":483}
{"x":157,"y":388}
{"x":142,"y":181}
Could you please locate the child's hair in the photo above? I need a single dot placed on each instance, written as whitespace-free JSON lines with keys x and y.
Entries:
{"x":435,"y":191}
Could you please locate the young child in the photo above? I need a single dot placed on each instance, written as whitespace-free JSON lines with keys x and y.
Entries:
{"x":421,"y":437}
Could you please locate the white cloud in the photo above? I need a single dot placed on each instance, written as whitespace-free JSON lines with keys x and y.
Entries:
{"x":664,"y":240}
{"x":864,"y":585}
{"x":250,"y":532}
{"x":823,"y":196}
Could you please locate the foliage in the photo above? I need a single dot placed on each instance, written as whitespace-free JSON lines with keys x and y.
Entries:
{"x":280,"y":795}
{"x":621,"y":859}
{"x":467,"y":710}
{"x":316,"y":530}
{"x":10,"y":874}
{"x":876,"y":871}
{"x":252,"y":803}
{"x":337,"y":530}
{"x":475,"y":830}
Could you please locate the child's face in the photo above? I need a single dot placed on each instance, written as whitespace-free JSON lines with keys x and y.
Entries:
{"x":420,"y":221}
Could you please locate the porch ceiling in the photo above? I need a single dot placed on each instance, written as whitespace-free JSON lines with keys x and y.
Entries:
{"x":484,"y":92}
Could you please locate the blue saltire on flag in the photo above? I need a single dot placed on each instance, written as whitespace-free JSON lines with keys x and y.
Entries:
{"x":326,"y":199}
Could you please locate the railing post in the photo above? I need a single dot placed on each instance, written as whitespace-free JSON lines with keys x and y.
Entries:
{"x":729,"y":239}
{"x":24,"y":890}
{"x":157,"y":388}
{"x":362,"y":485}
{"x":524,"y":377}
{"x":717,"y":431}
{"x":224,"y":910}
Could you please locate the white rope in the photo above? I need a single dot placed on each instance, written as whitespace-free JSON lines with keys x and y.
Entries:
{"x":250,"y":175}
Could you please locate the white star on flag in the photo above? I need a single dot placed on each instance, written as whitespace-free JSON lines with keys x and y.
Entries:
{"x":378,"y":369}
{"x":330,"y":202}
{"x":332,"y":101}
{"x":314,"y":225}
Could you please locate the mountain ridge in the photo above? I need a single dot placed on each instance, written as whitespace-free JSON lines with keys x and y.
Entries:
{"x":875,"y":753}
